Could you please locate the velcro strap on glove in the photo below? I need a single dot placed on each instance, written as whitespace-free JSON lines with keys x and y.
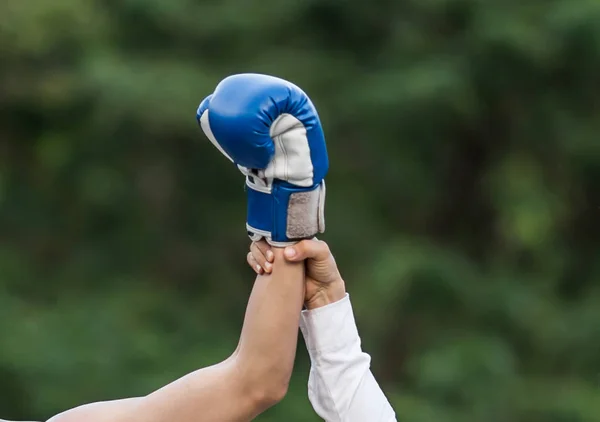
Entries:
{"x":286,"y":214}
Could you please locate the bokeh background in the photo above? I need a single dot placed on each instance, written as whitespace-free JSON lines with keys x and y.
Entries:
{"x":463,"y":198}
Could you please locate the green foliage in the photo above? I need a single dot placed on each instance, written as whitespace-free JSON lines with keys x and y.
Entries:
{"x":462,"y":208}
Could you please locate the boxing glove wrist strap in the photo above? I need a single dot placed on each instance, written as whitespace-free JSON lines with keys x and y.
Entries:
{"x":287,"y":214}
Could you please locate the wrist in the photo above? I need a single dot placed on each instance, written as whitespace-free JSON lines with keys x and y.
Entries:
{"x":327,"y":295}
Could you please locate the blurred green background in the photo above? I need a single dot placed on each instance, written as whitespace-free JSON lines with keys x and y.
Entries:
{"x":463,"y":200}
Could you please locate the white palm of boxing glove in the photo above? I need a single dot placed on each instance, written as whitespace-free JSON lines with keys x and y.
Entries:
{"x":271,"y":130}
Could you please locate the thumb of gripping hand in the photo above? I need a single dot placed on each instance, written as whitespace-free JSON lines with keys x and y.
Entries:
{"x":270,"y":129}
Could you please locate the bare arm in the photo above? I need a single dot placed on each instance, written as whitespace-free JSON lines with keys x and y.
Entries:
{"x":238,"y":389}
{"x":341,"y":386}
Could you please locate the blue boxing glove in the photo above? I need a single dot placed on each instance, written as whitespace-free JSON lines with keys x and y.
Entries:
{"x":270,"y":129}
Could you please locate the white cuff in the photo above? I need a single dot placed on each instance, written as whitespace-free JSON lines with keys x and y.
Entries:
{"x":331,"y":327}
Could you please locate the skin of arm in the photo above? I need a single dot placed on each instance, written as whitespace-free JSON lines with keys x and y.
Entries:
{"x":238,"y":389}
{"x":341,"y":386}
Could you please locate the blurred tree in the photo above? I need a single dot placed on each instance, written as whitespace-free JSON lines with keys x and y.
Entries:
{"x":462,"y":207}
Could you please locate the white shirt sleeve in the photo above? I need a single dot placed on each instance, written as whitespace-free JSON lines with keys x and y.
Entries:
{"x":341,"y":387}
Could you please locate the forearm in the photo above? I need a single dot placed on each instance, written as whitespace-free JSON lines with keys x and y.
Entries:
{"x":268,"y":342}
{"x":239,"y":388}
{"x":256,"y":376}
